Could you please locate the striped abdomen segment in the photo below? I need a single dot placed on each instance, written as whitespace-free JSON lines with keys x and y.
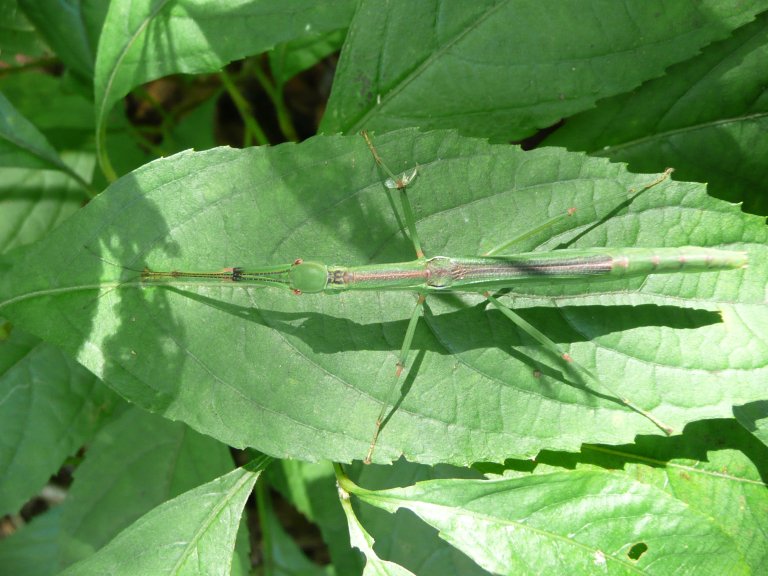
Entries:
{"x":455,"y":273}
{"x":642,"y":261}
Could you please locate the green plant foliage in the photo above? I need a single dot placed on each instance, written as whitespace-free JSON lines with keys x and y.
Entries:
{"x":73,"y":34}
{"x":592,"y":521}
{"x":37,"y":200}
{"x":144,"y":40}
{"x":197,"y":528}
{"x":134,"y":397}
{"x":21,"y":144}
{"x":91,"y":517}
{"x":311,"y":488}
{"x":188,"y":352}
{"x":504,"y":69}
{"x":17,"y":35}
{"x":706,"y":117}
{"x":48,"y":400}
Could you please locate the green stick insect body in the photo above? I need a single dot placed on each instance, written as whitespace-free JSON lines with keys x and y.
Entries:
{"x":479,"y":274}
{"x":442,"y":273}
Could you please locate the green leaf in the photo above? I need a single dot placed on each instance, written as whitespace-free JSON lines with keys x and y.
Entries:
{"x":191,"y":534}
{"x":33,"y":551}
{"x":724,"y":483}
{"x":292,"y":58}
{"x":304,"y":377}
{"x":714,"y":469}
{"x":707,"y":117}
{"x":362,"y":540}
{"x":71,"y":29}
{"x":62,"y":114}
{"x":46,"y":400}
{"x":402,"y":537}
{"x":148,"y":39}
{"x":21,"y":144}
{"x":135,"y":464}
{"x":27,"y":156}
{"x":17,"y":35}
{"x":502,"y":70}
{"x":33,"y":202}
{"x":569,"y":522}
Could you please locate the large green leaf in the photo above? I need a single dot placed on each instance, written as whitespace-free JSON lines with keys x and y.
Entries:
{"x":21,"y":144}
{"x":305,"y":376}
{"x":136,"y":463}
{"x":147,"y":39}
{"x":192,"y":534}
{"x":47,"y":400}
{"x":569,"y":522}
{"x":503,"y":69}
{"x":707,"y":117}
{"x":71,"y":30}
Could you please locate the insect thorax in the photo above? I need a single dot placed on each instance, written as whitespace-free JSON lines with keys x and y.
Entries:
{"x":439,"y":272}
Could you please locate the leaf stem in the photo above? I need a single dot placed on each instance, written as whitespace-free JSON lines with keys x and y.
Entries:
{"x":252,"y":128}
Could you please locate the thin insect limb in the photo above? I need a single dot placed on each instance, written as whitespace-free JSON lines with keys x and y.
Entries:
{"x":568,"y":213}
{"x":545,"y":341}
{"x":626,"y":199}
{"x":550,"y":345}
{"x":530,"y":233}
{"x":106,"y":261}
{"x":394,"y":182}
{"x":404,"y":350}
{"x":663,"y":176}
{"x":399,"y":183}
{"x":411,"y":222}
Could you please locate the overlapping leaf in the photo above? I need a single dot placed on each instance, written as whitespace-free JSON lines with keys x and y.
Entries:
{"x":192,"y":534}
{"x":305,"y":376}
{"x":503,"y":69}
{"x":706,"y":117}
{"x":591,"y":522}
{"x":144,"y":40}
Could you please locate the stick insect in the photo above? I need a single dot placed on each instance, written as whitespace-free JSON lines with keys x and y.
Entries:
{"x":484,"y":275}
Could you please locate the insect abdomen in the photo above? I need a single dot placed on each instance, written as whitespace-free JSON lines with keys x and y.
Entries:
{"x":643,"y":261}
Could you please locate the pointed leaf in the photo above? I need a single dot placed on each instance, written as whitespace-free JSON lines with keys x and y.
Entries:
{"x":46,"y":400}
{"x":305,"y":376}
{"x":504,"y":69}
{"x":147,"y":39}
{"x":191,"y":534}
{"x":71,"y":30}
{"x":136,"y":463}
{"x":707,"y":117}
{"x":569,"y":522}
{"x":21,"y":144}
{"x":360,"y":539}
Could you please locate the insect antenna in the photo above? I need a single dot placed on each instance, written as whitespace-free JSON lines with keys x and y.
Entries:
{"x":140,"y":273}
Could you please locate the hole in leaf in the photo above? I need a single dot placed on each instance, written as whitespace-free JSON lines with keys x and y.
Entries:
{"x":637,"y":550}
